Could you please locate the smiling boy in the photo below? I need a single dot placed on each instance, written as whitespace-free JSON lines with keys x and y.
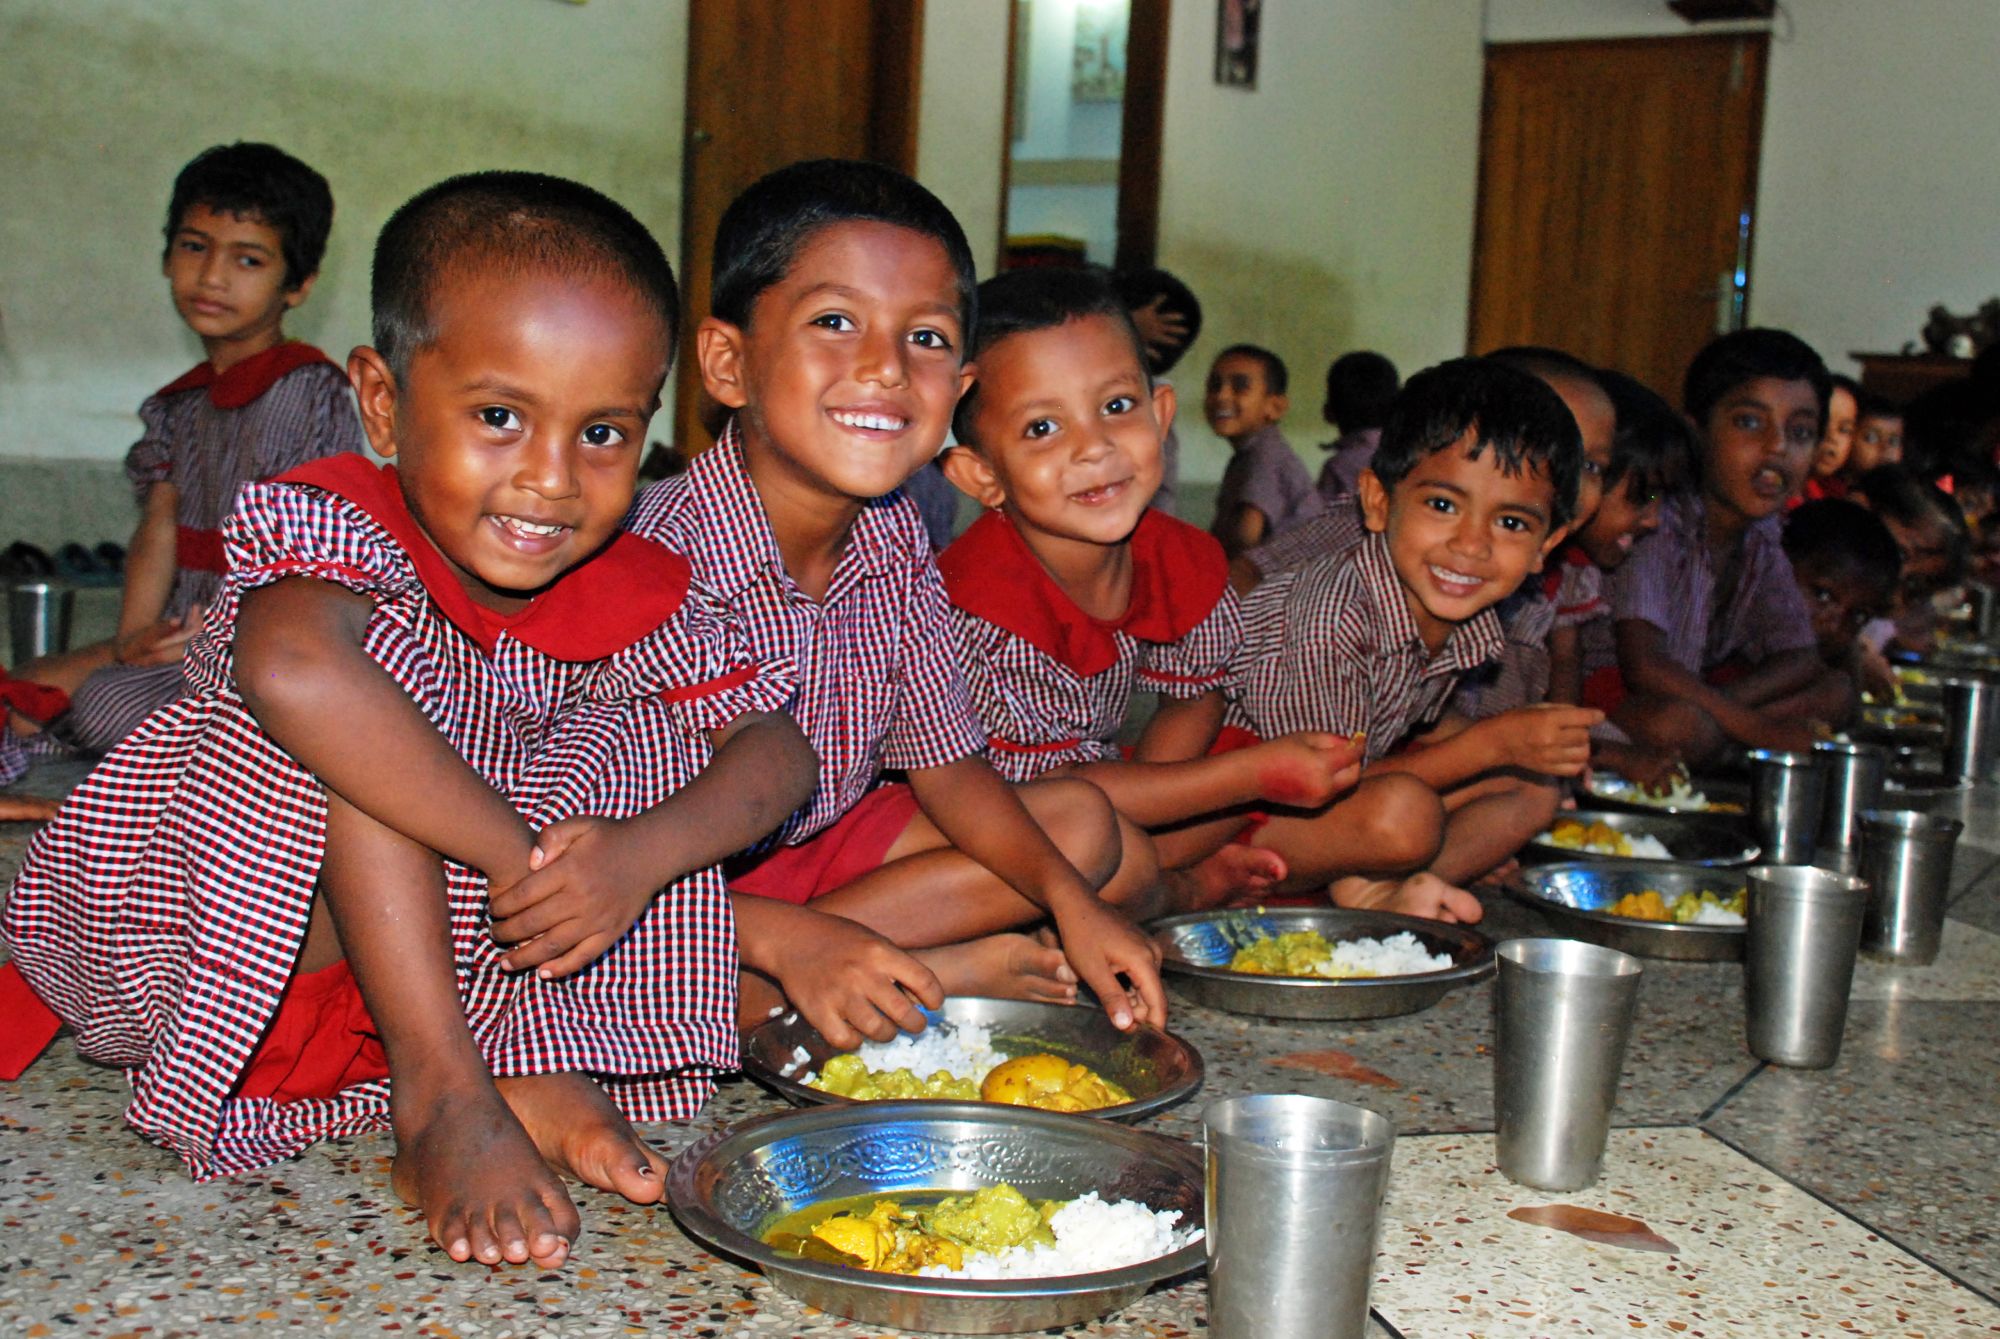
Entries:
{"x":1265,"y":489}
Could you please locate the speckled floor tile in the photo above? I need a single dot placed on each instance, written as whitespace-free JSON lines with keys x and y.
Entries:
{"x":1967,"y":968}
{"x":1755,"y":1257}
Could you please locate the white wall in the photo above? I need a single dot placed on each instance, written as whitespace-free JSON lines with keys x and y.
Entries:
{"x":961,"y":115}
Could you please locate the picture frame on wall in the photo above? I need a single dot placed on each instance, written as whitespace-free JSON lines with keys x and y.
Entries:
{"x":1097,"y":68}
{"x":1236,"y":24}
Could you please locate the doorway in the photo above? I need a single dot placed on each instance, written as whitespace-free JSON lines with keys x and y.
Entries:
{"x":771,"y":82}
{"x":1617,"y":181}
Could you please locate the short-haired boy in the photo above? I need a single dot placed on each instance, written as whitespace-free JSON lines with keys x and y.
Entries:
{"x":1360,"y":386}
{"x":1471,"y":487}
{"x":1070,"y":594}
{"x":245,"y":230}
{"x":1848,"y":568}
{"x":843,"y":295}
{"x":1878,"y":435}
{"x":1265,"y":489}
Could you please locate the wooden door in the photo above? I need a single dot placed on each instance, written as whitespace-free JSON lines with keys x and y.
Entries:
{"x":1616,"y":186}
{"x":772,"y":82}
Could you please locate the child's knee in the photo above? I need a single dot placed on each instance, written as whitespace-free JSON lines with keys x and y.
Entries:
{"x":1402,"y":822}
{"x":1135,"y":887}
{"x":1081,"y":822}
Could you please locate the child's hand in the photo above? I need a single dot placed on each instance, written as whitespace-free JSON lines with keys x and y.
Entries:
{"x":161,"y":643}
{"x":1306,"y":770}
{"x":851,"y":983}
{"x":1102,"y":945}
{"x":1550,"y":739}
{"x":582,"y":897}
{"x":1423,"y":894}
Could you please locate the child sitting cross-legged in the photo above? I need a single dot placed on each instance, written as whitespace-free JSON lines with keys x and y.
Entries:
{"x":1071,"y":595}
{"x":431,"y":845}
{"x":843,"y":298}
{"x":1473,"y":482}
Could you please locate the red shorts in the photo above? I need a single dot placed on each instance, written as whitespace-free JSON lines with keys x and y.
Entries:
{"x":322,"y":1040}
{"x":857,"y":842}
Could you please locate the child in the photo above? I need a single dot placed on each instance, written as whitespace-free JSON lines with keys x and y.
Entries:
{"x":1836,"y":441}
{"x":842,"y":298}
{"x":1847,"y":565}
{"x":1473,"y":482}
{"x":1167,"y":315}
{"x":1265,"y":489}
{"x":1359,"y":387}
{"x":1930,"y":532}
{"x":245,"y":231}
{"x":1710,"y":633}
{"x":296,"y":905}
{"x":1070,"y":594}
{"x":1878,"y":435}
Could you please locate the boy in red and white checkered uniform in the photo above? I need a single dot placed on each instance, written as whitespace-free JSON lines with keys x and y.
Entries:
{"x":1071,"y":593}
{"x":842,"y":296}
{"x":1475,"y":477}
{"x":398,"y":860}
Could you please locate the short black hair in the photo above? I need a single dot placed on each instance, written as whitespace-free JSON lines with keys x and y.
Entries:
{"x":1729,"y":361}
{"x":1900,"y":494}
{"x":1515,"y":413}
{"x":1042,"y":297}
{"x":1830,"y":532}
{"x":1873,"y":404}
{"x":1140,"y":288}
{"x":1359,"y":389}
{"x":1276,"y":378}
{"x":519,"y":222}
{"x":1655,"y":448}
{"x":1542,"y":361}
{"x":264,"y":182}
{"x":761,"y":233}
{"x":1840,"y":381}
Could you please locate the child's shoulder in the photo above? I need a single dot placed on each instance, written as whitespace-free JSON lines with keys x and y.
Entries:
{"x":243,"y":384}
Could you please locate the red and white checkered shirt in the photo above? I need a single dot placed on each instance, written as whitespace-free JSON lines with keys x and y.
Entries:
{"x":1334,"y":532}
{"x":162,"y":912}
{"x":878,"y":685}
{"x":1332,"y":646}
{"x":1053,"y":685}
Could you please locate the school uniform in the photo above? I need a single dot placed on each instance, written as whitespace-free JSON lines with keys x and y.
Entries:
{"x":208,"y":433}
{"x":1333,"y":646}
{"x":879,"y":687}
{"x":1053,"y":685}
{"x":161,"y":913}
{"x":39,"y":703}
{"x":1264,"y":472}
{"x":1335,"y":531}
{"x":1348,"y":455}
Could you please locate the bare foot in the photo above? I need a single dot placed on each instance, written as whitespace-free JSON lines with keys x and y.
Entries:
{"x":486,"y":1193}
{"x":581,"y":1134}
{"x":1002,"y":966}
{"x":1422,"y":894}
{"x":27,"y":809}
{"x":1235,"y":874}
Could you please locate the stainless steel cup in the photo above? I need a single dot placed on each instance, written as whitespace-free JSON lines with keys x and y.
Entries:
{"x":1798,"y":962}
{"x":1562,"y":1015}
{"x":1295,"y":1190}
{"x":1855,"y":775}
{"x":1787,"y":801}
{"x":1985,"y":609}
{"x":1906,"y":860}
{"x":38,"y":618}
{"x":1969,"y":733}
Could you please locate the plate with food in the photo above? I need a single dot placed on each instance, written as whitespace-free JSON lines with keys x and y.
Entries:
{"x":1679,"y":794}
{"x":1318,"y":962}
{"x":1692,"y":839}
{"x":1055,"y":1057}
{"x":1694,"y":913}
{"x":955,"y":1217}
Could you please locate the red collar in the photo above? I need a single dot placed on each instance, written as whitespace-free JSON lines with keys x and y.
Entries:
{"x":620,"y":594}
{"x":1570,"y":555}
{"x":247,"y":380}
{"x":1178,"y":575}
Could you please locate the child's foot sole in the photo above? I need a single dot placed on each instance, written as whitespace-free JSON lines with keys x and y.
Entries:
{"x":1003,"y":966}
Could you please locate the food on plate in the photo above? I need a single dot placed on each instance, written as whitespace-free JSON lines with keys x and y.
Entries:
{"x":1600,"y":838}
{"x":958,"y":1062}
{"x":992,"y":1233}
{"x":1050,"y":1083}
{"x":1696,"y":908}
{"x":1679,"y":792}
{"x":1310,"y":953}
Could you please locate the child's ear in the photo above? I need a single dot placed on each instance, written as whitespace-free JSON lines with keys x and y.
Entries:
{"x":1557,"y":534}
{"x":375,"y":392}
{"x":973,"y":474}
{"x":1280,"y":406}
{"x":1165,"y":402}
{"x":718,"y":352}
{"x":294,"y":296}
{"x":1374,"y":502}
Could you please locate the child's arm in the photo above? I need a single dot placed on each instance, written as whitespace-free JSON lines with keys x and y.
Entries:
{"x":303,"y":674}
{"x":1648,"y":669}
{"x":1244,"y":530}
{"x":595,"y":876}
{"x":150,"y":561}
{"x":1549,"y":739}
{"x":1565,"y":666}
{"x":982,"y":816}
{"x":1777,"y":677}
{"x":846,"y":980}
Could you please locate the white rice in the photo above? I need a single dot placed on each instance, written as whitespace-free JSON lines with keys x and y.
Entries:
{"x":1091,"y":1236}
{"x":963,"y":1050}
{"x":1711,"y":914}
{"x":1399,"y":955}
{"x":1648,"y":847}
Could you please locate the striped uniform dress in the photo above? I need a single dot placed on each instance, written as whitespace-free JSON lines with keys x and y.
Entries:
{"x":1053,"y":685}
{"x":1332,"y":646}
{"x":162,"y":911}
{"x":878,"y":684}
{"x":208,"y":435}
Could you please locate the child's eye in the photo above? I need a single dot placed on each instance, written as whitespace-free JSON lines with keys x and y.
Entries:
{"x":1038,"y":428}
{"x":1798,"y":434}
{"x":1120,"y":404}
{"x":1513,"y":525}
{"x":834,"y":321}
{"x":499,"y":419}
{"x":928,"y":338}
{"x":250,"y":262}
{"x":1746,"y":422}
{"x":602,"y":434}
{"x":1592,"y":468}
{"x":1442,"y":505}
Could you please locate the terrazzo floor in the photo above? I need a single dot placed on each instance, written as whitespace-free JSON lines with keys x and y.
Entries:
{"x":1861,"y":1200}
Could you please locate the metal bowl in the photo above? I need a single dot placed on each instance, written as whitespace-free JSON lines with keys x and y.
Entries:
{"x":1198,"y":947}
{"x":728,"y":1188}
{"x":1693,"y":839}
{"x":1910,"y":787}
{"x":1572,"y":894}
{"x":1905,"y":742}
{"x":1157,"y":1068}
{"x":1608,"y":790}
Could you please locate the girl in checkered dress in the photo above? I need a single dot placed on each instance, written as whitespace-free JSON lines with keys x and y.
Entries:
{"x":303,"y":881}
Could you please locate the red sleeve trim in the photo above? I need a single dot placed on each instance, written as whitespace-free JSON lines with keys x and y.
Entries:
{"x":1010,"y":746}
{"x":736,"y":678}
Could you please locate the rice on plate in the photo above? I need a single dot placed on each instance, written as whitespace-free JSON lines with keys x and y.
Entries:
{"x":1091,"y":1236}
